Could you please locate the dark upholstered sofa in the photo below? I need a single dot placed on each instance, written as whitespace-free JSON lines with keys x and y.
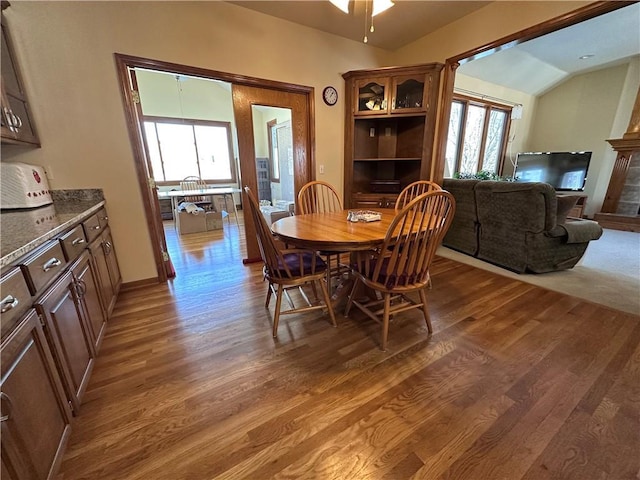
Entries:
{"x":517,"y":225}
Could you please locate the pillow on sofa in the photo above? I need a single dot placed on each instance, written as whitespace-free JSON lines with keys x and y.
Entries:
{"x":565,"y":204}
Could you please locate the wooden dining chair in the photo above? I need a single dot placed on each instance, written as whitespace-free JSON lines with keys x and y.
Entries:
{"x":287,"y":269}
{"x":401,"y":265}
{"x":196,"y":183}
{"x":413,"y":190}
{"x":321,"y":197}
{"x":318,"y":197}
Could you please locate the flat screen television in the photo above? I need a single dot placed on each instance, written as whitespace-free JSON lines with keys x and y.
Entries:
{"x":562,"y":170}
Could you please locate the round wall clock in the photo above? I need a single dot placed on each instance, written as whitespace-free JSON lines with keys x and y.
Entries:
{"x":330,"y":95}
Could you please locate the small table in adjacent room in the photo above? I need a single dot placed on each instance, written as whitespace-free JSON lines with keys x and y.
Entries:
{"x":225,"y":192}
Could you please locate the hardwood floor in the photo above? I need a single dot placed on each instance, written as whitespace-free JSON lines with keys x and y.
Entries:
{"x":516,"y":382}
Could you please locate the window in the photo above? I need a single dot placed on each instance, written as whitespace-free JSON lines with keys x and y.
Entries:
{"x":477,"y":136}
{"x":180,"y":148}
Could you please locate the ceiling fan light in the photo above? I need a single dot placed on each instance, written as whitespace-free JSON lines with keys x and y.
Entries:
{"x":380,"y":6}
{"x":341,"y":4}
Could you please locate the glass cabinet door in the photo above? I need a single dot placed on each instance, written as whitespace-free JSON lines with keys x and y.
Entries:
{"x":16,"y":117}
{"x":409,"y":93}
{"x":372,"y":96}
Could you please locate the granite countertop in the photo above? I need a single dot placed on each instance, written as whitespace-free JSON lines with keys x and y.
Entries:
{"x":22,"y":231}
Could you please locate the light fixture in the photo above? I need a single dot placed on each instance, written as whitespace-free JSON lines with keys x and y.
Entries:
{"x":371,"y":9}
{"x":516,"y":112}
{"x":380,"y":6}
{"x":341,"y":4}
{"x":585,"y":57}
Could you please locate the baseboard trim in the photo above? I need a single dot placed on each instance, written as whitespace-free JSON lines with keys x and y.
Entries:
{"x":615,"y":221}
{"x":140,"y":284}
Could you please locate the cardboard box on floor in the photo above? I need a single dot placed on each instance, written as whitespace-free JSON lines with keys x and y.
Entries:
{"x":194,"y":223}
{"x":214,"y":220}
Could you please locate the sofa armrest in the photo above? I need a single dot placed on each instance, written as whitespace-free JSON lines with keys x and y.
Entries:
{"x":578,"y":231}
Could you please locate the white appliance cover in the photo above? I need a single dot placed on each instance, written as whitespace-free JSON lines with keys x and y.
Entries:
{"x":23,"y":186}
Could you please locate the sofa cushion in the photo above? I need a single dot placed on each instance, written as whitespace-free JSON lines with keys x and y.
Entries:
{"x":521,"y":206}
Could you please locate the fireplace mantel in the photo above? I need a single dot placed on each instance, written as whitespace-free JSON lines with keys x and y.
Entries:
{"x":621,"y":206}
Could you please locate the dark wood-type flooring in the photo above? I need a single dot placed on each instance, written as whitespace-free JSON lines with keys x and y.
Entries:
{"x":516,"y":382}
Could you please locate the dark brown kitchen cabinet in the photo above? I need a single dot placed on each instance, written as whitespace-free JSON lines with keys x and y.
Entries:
{"x":85,"y":275}
{"x":110,"y":280}
{"x":35,"y":412}
{"x":69,"y":335}
{"x":16,"y":119}
{"x":389,"y":131}
{"x":55,"y":303}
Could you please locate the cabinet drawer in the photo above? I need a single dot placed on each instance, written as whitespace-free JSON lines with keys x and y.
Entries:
{"x":73,"y":243}
{"x":103,"y":218}
{"x":372,"y":201}
{"x":16,"y":299}
{"x":92,"y":227}
{"x":42,"y":267}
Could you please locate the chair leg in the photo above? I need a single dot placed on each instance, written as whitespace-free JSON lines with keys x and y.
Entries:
{"x":276,"y":316}
{"x":425,"y":310}
{"x":315,"y":290}
{"x":269,"y":291}
{"x":327,"y":301}
{"x":329,"y":271}
{"x":351,"y":295}
{"x":385,"y":320}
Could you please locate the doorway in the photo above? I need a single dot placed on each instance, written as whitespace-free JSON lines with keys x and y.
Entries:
{"x":246,"y":91}
{"x":259,"y":111}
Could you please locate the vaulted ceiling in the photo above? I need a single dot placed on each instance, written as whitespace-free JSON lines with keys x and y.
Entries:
{"x":531,"y":67}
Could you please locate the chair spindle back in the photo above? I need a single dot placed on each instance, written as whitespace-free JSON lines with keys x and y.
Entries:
{"x":318,"y":197}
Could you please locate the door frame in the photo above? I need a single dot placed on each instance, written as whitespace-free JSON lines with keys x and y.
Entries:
{"x":244,"y":99}
{"x":451,"y":64}
{"x":148,"y":191}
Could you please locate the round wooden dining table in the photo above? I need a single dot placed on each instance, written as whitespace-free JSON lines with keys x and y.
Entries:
{"x":332,"y":232}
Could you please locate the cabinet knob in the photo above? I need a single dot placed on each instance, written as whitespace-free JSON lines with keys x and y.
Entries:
{"x":81,"y":288}
{"x":5,"y":397}
{"x":52,"y":263}
{"x":78,"y":241}
{"x":14,"y":122}
{"x":9,"y":302}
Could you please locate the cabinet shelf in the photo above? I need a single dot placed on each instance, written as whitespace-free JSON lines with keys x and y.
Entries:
{"x":387,"y":159}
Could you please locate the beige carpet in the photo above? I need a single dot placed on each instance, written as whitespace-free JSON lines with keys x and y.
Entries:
{"x":608,"y":273}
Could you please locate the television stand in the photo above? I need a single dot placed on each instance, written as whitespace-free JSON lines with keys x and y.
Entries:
{"x":578,"y":209}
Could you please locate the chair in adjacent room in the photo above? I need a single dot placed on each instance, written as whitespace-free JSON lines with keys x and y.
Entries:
{"x":196,"y":183}
{"x":413,"y":190}
{"x":288,"y":269}
{"x":401,"y":264}
{"x":321,"y":197}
